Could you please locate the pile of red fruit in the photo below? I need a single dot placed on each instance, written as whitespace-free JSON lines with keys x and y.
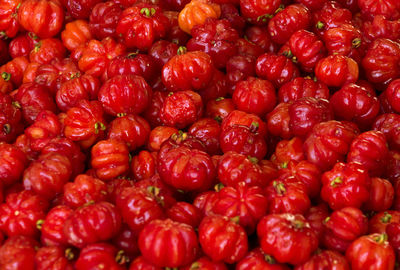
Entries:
{"x":199,"y":134}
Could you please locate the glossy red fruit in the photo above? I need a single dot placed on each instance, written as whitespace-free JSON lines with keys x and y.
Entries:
{"x":186,"y":213}
{"x":234,"y":168}
{"x":260,"y":36}
{"x":306,"y":48}
{"x":258,"y":260}
{"x":76,"y":34}
{"x":21,"y":212}
{"x":52,"y":231}
{"x":144,"y":165}
{"x":287,"y":195}
{"x":22,"y":45}
{"x":216,"y":38}
{"x":127,"y":241}
{"x":92,"y":223}
{"x":316,"y":216}
{"x":191,"y":70}
{"x":254,"y":96}
{"x":104,"y":19}
{"x":46,"y":127}
{"x":206,"y":264}
{"x":345,"y":185}
{"x":307,"y":112}
{"x":207,"y":130}
{"x":18,"y":252}
{"x":342,"y":227}
{"x":381,"y":195}
{"x":43,"y":17}
{"x":287,"y":150}
{"x":214,"y":231}
{"x":84,"y":123}
{"x":277,"y":69}
{"x":12,"y":164}
{"x":380,"y":27}
{"x":381,"y":61}
{"x":46,"y":50}
{"x":219,"y":108}
{"x":9,"y":25}
{"x":10,"y":119}
{"x":329,"y":142}
{"x":288,"y":21}
{"x":16,"y":68}
{"x":94,"y":58}
{"x":84,"y":189}
{"x":370,"y":150}
{"x":141,"y":264}
{"x":278,"y":121}
{"x":372,"y":251}
{"x":393,"y":95}
{"x":139,"y":206}
{"x":47,"y":175}
{"x":110,"y":159}
{"x":51,"y":257}
{"x":125,"y":94}
{"x":389,"y":124}
{"x":177,"y":240}
{"x":159,"y":135}
{"x":80,"y":9}
{"x":240,"y":118}
{"x":244,"y":140}
{"x":33,"y":98}
{"x":287,"y":237}
{"x":98,"y":255}
{"x":337,"y":70}
{"x":369,"y":9}
{"x":181,"y":109}
{"x":247,"y":203}
{"x":259,"y":11}
{"x":379,"y":222}
{"x":141,"y":25}
{"x":355,"y":103}
{"x":326,"y":258}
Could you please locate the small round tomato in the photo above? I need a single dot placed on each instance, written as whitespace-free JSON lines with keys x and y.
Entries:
{"x":287,"y":237}
{"x":177,"y":240}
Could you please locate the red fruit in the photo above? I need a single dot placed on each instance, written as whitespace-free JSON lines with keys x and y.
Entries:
{"x":12,"y":164}
{"x":389,"y":125}
{"x":80,"y":9}
{"x":104,"y":19}
{"x":219,"y":108}
{"x":337,"y":70}
{"x":277,"y":69}
{"x":342,"y":227}
{"x":18,"y":252}
{"x":110,"y":159}
{"x":215,"y":232}
{"x":165,"y":195}
{"x":371,"y":251}
{"x":288,"y":21}
{"x":208,"y":131}
{"x":216,"y":38}
{"x":393,"y":95}
{"x":393,"y":166}
{"x":234,"y":168}
{"x":92,"y":223}
{"x":258,"y":260}
{"x":186,"y":213}
{"x":331,"y":15}
{"x":10,"y":119}
{"x":240,"y":118}
{"x":139,"y":206}
{"x":131,"y":129}
{"x":22,"y":45}
{"x":45,"y":128}
{"x":287,"y":237}
{"x":159,"y":135}
{"x":191,"y":70}
{"x":287,"y":195}
{"x":76,"y":34}
{"x":84,"y":123}
{"x":278,"y":121}
{"x":307,"y":112}
{"x":181,"y":109}
{"x":381,"y":195}
{"x":370,"y":150}
{"x":287,"y":150}
{"x":96,"y":256}
{"x":329,"y":142}
{"x":125,"y":94}
{"x":115,"y":187}
{"x":178,"y":241}
{"x":162,"y":51}
{"x":34,"y":98}
{"x":152,"y":112}
{"x":392,"y":230}
{"x":93,"y":59}
{"x":345,"y":185}
{"x":369,"y":9}
{"x":47,"y":175}
{"x":52,"y":257}
{"x":9,"y":25}
{"x":306,"y":48}
{"x":380,"y":27}
{"x":259,"y":11}
{"x":43,"y":17}
{"x":144,"y":165}
{"x":249,"y":204}
{"x":381,"y":61}
{"x":239,"y":68}
{"x":127,"y":241}
{"x":175,"y":34}
{"x":16,"y":68}
{"x":205,"y":202}
{"x":186,"y":169}
{"x":141,"y":25}
{"x":46,"y":50}
{"x":260,"y":36}
{"x":141,"y":264}
{"x":327,"y":258}
{"x":355,"y":103}
{"x":254,"y":96}
{"x":84,"y":189}
{"x":243,"y":140}
{"x":206,"y":264}
{"x":316,"y":216}
{"x":21,"y":212}
{"x":379,"y":222}
{"x":52,"y":231}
